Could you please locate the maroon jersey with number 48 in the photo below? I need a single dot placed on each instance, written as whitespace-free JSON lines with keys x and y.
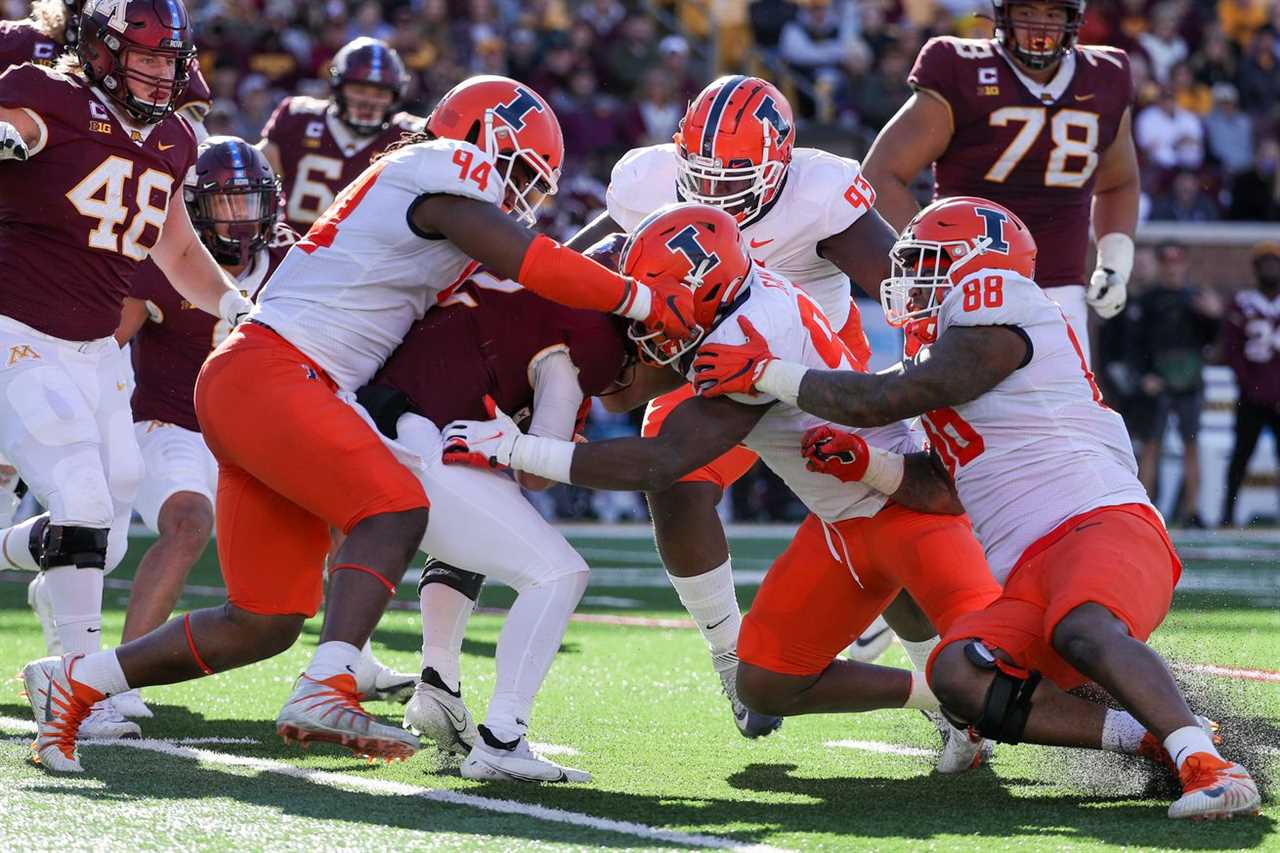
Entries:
{"x":80,"y":216}
{"x":319,"y":155}
{"x":171,"y":346}
{"x":1035,"y":149}
{"x":484,"y":339}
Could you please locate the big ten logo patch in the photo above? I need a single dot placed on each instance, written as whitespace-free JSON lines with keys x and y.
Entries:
{"x":313,"y":134}
{"x":987,"y":81}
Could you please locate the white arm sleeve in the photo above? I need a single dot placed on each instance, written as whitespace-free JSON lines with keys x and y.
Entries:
{"x":556,"y":394}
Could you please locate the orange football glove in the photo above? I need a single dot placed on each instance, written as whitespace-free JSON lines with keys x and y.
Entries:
{"x":732,"y":368}
{"x":843,"y":455}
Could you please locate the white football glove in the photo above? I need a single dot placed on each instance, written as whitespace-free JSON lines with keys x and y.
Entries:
{"x":482,"y":444}
{"x":1107,"y":286}
{"x":233,"y":307}
{"x":12,"y":145}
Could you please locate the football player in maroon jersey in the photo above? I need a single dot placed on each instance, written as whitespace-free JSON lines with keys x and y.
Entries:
{"x":318,"y":146}
{"x":1033,"y":121}
{"x":492,"y":340}
{"x":233,"y":199}
{"x":90,"y":158}
{"x":54,"y":26}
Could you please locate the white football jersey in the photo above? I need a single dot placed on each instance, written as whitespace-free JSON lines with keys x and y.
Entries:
{"x":823,"y":195}
{"x":798,"y":332}
{"x":1041,"y":447}
{"x":348,"y":291}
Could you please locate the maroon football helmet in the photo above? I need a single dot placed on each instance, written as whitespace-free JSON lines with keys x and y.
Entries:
{"x":232,"y":185}
{"x":374,"y":63}
{"x":1050,"y":42}
{"x":111,"y":30}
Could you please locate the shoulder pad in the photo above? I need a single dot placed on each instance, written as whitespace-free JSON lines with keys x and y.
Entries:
{"x":641,"y":182}
{"x":825,"y":193}
{"x":430,"y":167}
{"x":306,"y":105}
{"x":409,"y":122}
{"x":1101,"y":56}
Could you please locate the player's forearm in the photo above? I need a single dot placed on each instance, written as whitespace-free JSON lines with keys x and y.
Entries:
{"x":894,"y":200}
{"x":1115,"y":210}
{"x":622,"y":464}
{"x":197,"y":277}
{"x":840,"y":396}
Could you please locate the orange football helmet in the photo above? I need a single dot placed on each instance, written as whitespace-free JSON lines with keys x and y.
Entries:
{"x":694,"y":243}
{"x":734,"y":146}
{"x":512,"y":122}
{"x":945,"y":242}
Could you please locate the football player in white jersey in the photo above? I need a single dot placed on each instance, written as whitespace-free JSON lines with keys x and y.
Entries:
{"x":807,"y":215}
{"x":856,"y":551}
{"x":294,"y":458}
{"x":1047,"y":473}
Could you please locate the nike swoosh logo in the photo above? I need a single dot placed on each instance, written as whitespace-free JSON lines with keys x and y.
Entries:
{"x":1085,"y":97}
{"x":349,"y":669}
{"x":48,"y":700}
{"x":164,"y":147}
{"x":1086,"y":526}
{"x":715,"y":625}
{"x":866,"y":641}
{"x":459,"y":723}
{"x":92,"y":630}
{"x":757,"y":244}
{"x":494,"y":437}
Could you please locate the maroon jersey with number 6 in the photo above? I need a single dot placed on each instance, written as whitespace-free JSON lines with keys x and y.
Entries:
{"x":483,"y":341}
{"x":80,"y":216}
{"x":171,"y":346}
{"x":1035,"y":149}
{"x":319,"y":155}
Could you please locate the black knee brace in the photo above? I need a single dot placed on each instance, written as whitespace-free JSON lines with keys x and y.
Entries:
{"x":82,"y":547}
{"x":436,"y":571}
{"x":1008,"y":701}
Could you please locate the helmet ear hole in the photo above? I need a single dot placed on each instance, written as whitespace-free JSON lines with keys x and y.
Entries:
{"x":473,"y":133}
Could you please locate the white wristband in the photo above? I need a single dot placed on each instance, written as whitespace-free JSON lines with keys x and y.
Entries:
{"x":1115,"y":253}
{"x":641,"y":304}
{"x":885,"y":470}
{"x":781,"y":379}
{"x":550,"y":458}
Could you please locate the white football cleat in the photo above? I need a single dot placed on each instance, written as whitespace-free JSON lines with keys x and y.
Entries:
{"x":105,"y":722}
{"x":129,"y":704}
{"x":60,"y":705}
{"x":962,"y":749}
{"x":38,"y":598}
{"x":872,"y":643}
{"x":377,"y":681}
{"x":750,"y":724}
{"x":1215,"y":789}
{"x":493,"y":760}
{"x":438,"y":714}
{"x":329,"y":711}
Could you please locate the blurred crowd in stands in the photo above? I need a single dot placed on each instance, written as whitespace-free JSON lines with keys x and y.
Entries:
{"x":619,"y":73}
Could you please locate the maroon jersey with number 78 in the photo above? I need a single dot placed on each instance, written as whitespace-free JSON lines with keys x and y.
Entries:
{"x":1034,"y":149}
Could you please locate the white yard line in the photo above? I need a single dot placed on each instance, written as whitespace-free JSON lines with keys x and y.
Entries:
{"x":345,"y":781}
{"x":13,"y":724}
{"x":882,"y":748}
{"x":1268,"y":675}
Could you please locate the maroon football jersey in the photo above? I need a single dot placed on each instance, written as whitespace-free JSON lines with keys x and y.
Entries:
{"x":482,"y":340}
{"x":90,"y":198}
{"x":172,"y":345}
{"x":21,"y":41}
{"x":319,"y":155}
{"x":1036,"y":154}
{"x":197,"y":97}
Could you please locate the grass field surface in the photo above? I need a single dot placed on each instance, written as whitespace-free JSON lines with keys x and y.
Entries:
{"x":632,"y":698}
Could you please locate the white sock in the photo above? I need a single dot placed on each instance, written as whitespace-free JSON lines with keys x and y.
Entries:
{"x":333,"y":658}
{"x":15,"y":546}
{"x":921,"y":697}
{"x":445,"y":612}
{"x":919,"y":652}
{"x":526,"y":647}
{"x":76,"y":598}
{"x":712,"y":602}
{"x":102,"y":672}
{"x":1121,"y":732}
{"x":1189,"y":740}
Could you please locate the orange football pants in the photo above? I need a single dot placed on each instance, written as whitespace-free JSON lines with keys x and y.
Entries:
{"x":733,"y":465}
{"x":1117,"y":556}
{"x":835,"y":579}
{"x":293,"y":460}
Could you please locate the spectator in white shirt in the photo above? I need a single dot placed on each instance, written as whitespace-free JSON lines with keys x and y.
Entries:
{"x":1162,"y":44}
{"x":1229,"y":130}
{"x":1170,"y":136}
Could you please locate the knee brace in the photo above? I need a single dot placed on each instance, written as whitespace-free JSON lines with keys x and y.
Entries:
{"x":82,"y":547}
{"x":436,"y":571}
{"x":1008,"y":700}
